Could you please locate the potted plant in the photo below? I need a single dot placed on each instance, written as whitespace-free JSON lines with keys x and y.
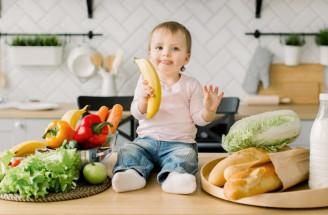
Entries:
{"x":42,"y":50}
{"x":292,"y":49}
{"x":322,"y":41}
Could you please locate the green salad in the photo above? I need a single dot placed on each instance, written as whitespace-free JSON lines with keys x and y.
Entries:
{"x":38,"y":175}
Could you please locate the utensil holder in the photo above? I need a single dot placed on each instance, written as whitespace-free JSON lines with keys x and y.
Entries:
{"x":108,"y":87}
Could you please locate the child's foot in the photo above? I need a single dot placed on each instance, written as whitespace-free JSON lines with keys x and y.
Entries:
{"x":127,"y":180}
{"x":179,"y":183}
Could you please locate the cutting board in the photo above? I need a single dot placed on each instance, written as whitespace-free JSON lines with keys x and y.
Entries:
{"x":302,"y":83}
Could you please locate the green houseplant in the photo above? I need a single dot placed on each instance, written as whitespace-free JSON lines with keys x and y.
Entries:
{"x":37,"y":40}
{"x":322,"y":41}
{"x":42,"y":50}
{"x":292,"y":49}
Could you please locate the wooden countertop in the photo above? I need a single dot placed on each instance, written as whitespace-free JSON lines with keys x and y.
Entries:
{"x":149,"y":200}
{"x":305,"y":112}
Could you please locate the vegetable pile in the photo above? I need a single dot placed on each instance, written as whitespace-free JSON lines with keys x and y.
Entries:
{"x":93,"y":131}
{"x":57,"y":170}
{"x":38,"y":175}
{"x":270,"y":130}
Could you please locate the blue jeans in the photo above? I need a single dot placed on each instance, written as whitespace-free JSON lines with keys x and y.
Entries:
{"x":145,"y":154}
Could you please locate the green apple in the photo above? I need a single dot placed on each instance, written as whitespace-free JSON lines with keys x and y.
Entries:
{"x":95,"y":173}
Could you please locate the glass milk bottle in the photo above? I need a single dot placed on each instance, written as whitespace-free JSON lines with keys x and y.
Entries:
{"x":319,"y":146}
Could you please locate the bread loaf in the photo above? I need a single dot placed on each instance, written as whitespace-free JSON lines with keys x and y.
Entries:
{"x":216,"y":176}
{"x":254,"y":180}
{"x":231,"y":170}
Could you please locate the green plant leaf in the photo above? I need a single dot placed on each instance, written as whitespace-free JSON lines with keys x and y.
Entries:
{"x":36,"y":40}
{"x":322,"y":37}
{"x":294,"y":40}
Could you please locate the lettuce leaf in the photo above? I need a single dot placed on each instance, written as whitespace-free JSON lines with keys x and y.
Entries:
{"x":4,"y":162}
{"x":41,"y":174}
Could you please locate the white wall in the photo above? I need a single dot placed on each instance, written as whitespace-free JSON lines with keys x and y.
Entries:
{"x":220,"y":54}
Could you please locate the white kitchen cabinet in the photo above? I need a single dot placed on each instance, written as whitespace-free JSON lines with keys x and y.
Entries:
{"x":15,"y":131}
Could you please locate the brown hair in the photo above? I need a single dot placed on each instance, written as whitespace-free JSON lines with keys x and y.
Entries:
{"x":173,"y":27}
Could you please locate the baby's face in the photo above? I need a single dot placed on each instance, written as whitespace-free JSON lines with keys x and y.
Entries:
{"x":168,"y":52}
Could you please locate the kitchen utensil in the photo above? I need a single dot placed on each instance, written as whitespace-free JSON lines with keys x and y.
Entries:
{"x":87,"y":155}
{"x":109,"y":62}
{"x":108,"y":87}
{"x":78,"y":62}
{"x":97,"y":60}
{"x":2,"y":77}
{"x":117,"y":61}
{"x":36,"y":106}
{"x":289,"y":81}
{"x":265,"y":100}
{"x":94,"y":155}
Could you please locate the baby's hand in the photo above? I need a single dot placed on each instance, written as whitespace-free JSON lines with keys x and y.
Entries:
{"x":211,"y":98}
{"x":143,"y":100}
{"x":147,"y":90}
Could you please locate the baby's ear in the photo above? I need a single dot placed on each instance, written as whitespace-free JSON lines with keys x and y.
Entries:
{"x":149,"y":54}
{"x":187,"y":59}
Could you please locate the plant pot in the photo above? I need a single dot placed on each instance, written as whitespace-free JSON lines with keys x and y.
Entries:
{"x":292,"y":55}
{"x":37,"y":55}
{"x":324,"y":55}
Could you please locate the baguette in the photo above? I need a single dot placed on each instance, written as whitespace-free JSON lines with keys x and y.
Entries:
{"x":216,"y":176}
{"x":252,"y":181}
{"x":231,"y":170}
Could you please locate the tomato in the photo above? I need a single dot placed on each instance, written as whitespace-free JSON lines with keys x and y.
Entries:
{"x":16,"y":162}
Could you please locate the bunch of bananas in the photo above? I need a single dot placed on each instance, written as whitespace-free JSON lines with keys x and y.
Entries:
{"x":27,"y":148}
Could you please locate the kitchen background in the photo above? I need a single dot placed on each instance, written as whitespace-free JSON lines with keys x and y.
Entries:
{"x":221,"y":51}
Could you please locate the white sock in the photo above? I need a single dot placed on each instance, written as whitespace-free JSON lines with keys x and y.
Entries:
{"x":179,"y":183}
{"x":127,"y":180}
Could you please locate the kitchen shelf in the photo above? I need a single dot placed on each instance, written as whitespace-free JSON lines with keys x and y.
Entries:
{"x":90,"y":34}
{"x":258,"y":34}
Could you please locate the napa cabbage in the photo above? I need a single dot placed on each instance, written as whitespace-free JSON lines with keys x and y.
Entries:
{"x":270,"y":130}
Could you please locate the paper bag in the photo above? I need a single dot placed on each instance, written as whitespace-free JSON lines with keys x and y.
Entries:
{"x":291,"y":166}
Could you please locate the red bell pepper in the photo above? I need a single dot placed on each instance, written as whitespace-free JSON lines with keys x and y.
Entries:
{"x":92,"y":132}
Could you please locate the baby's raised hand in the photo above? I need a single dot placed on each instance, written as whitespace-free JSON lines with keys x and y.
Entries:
{"x":211,"y":98}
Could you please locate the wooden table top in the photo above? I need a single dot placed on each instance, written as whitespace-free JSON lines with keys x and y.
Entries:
{"x":149,"y":200}
{"x":305,"y":112}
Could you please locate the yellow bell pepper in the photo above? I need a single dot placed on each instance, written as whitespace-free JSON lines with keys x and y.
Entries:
{"x":56,"y":132}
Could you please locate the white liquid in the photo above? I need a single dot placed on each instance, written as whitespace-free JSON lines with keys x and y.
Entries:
{"x":319,"y":154}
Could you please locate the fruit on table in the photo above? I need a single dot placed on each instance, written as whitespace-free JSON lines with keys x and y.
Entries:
{"x":95,"y":173}
{"x":73,"y":116}
{"x":150,"y":75}
{"x":27,"y":148}
{"x":56,"y":132}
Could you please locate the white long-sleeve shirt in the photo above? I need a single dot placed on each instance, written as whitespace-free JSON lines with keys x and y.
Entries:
{"x":180,"y":110}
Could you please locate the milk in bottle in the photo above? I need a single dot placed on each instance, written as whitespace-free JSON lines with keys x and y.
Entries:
{"x":319,"y":147}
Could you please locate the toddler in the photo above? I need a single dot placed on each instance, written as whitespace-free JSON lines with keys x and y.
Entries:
{"x":167,"y":141}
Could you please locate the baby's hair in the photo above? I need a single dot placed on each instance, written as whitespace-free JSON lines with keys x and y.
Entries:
{"x":174,"y":27}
